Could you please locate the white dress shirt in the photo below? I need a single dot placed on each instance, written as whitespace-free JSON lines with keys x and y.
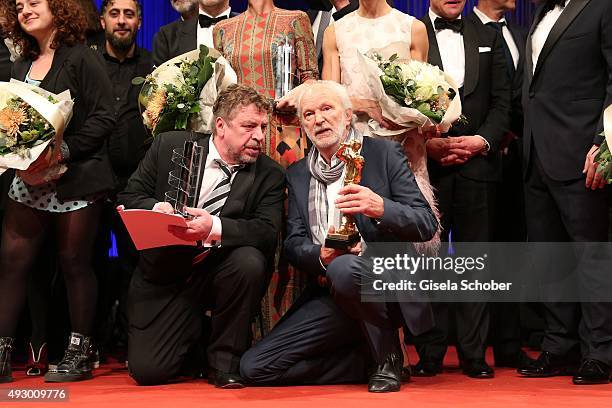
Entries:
{"x":506,"y":33}
{"x":212,"y":176}
{"x":205,"y":35}
{"x":452,"y":51}
{"x":540,"y":34}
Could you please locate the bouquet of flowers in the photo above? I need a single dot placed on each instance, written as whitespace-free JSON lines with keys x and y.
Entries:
{"x":411,"y":93}
{"x":604,"y":157}
{"x":30,"y":118}
{"x":180,"y":93}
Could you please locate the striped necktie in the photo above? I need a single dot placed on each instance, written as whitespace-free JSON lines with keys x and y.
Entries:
{"x":217,"y":198}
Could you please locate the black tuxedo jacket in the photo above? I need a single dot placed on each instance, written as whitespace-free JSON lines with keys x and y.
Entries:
{"x":519,"y":35}
{"x":81,"y":70}
{"x":313,"y":13}
{"x":407,"y":218}
{"x":176,"y":38}
{"x":251,"y":216}
{"x":5,"y":61}
{"x":485,"y":96}
{"x":565,"y":97}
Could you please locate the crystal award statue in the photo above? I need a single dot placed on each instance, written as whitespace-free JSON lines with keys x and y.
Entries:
{"x":185,"y":178}
{"x":284,"y":72}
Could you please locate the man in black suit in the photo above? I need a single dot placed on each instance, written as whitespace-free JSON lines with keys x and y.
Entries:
{"x":322,"y":13}
{"x":567,"y":86}
{"x":238,"y":217}
{"x":510,"y":215}
{"x":465,"y":167}
{"x":330,"y":335}
{"x":182,"y":36}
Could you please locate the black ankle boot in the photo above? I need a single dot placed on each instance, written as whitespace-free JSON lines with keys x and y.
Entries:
{"x":77,"y":362}
{"x":6,"y":345}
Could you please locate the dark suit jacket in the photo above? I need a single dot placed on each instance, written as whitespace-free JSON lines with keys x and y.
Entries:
{"x":407,"y":218}
{"x":313,"y":13}
{"x":519,"y":35}
{"x":485,"y":100}
{"x":251,"y":216}
{"x":176,"y":38}
{"x":5,"y":61}
{"x":565,"y":98}
{"x":81,"y":70}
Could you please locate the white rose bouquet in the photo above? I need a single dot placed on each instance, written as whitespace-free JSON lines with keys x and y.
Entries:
{"x":411,"y":93}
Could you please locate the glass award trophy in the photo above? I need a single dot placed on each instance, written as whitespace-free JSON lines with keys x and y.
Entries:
{"x":345,"y":233}
{"x":185,"y":177}
{"x":284,"y":72}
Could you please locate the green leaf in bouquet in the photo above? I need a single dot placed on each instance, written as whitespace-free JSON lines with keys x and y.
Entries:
{"x":203,"y":52}
{"x":206,"y":72}
{"x":165,"y":124}
{"x":138,"y":80}
{"x":393,"y":57}
{"x":195,"y":108}
{"x":181,"y":121}
{"x":424,"y":108}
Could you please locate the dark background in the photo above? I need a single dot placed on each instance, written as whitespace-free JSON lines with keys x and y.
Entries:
{"x":159,"y":12}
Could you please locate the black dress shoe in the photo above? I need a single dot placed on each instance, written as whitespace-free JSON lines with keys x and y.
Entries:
{"x":388,"y":376}
{"x":225,"y":380}
{"x":426,"y":368}
{"x":548,"y":365}
{"x":518,"y":360}
{"x":406,"y":373}
{"x":477,"y":369}
{"x":592,"y":372}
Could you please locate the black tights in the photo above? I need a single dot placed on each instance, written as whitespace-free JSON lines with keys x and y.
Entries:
{"x":23,"y":233}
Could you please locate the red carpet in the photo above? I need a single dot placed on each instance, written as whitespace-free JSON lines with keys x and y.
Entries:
{"x":112,"y":387}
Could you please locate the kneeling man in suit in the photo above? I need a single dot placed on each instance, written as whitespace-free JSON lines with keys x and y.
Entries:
{"x":238,"y":217}
{"x":330,"y":335}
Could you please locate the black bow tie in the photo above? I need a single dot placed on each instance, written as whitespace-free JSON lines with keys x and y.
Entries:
{"x":206,"y":21}
{"x":455,"y":25}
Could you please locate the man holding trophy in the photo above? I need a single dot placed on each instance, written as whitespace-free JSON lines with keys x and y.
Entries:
{"x":236,"y":223}
{"x":330,"y":335}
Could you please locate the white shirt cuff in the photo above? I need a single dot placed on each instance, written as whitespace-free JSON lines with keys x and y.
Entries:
{"x":487,"y":145}
{"x":214,"y":237}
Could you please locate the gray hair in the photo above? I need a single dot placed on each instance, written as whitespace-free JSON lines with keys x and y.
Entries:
{"x":336,"y":88}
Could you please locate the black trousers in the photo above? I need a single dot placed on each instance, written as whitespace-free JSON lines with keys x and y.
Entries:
{"x":505,"y":330}
{"x":167,"y":302}
{"x":327,"y":337}
{"x":467,"y":208}
{"x":565,"y":211}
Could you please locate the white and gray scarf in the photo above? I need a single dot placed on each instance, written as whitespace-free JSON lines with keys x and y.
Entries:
{"x":322,"y":176}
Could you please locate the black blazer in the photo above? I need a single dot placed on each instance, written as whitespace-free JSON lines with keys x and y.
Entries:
{"x":176,"y":38}
{"x":407,"y":218}
{"x":5,"y":61}
{"x":485,"y":98}
{"x":251,"y":216}
{"x":519,"y":35}
{"x":565,"y":98}
{"x":81,"y":70}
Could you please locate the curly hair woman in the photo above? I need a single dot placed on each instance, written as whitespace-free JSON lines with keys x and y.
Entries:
{"x":49,"y":34}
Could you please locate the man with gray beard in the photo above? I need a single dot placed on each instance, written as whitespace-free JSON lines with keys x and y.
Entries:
{"x":186,"y":8}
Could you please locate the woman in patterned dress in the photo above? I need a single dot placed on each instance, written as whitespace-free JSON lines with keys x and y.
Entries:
{"x":250,"y":42}
{"x":375,"y":25}
{"x":50,"y":36}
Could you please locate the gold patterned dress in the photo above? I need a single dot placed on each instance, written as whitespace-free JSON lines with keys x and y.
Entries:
{"x":250,"y":43}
